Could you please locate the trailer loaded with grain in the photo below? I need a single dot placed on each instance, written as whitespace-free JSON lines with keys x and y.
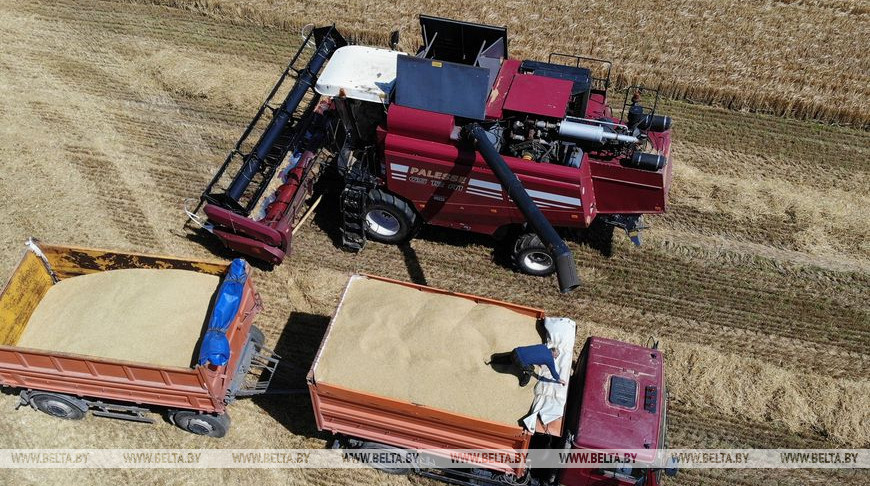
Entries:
{"x":401,"y":367}
{"x":121,"y":334}
{"x":409,"y":372}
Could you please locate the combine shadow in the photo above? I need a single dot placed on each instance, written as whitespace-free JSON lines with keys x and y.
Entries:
{"x":598,"y":236}
{"x":412,"y":263}
{"x":327,"y":217}
{"x":218,"y":249}
{"x":297,"y":346}
{"x":499,"y":248}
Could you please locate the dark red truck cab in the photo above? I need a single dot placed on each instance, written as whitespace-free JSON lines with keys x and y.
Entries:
{"x":620,"y":403}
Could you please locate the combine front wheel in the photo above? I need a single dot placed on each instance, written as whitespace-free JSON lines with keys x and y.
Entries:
{"x":531,"y":256}
{"x":389,"y":219}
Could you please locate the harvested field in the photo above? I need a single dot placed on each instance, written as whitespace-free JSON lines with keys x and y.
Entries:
{"x":806,"y":59}
{"x":757,"y":282}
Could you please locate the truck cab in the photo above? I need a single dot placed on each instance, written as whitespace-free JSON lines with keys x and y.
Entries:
{"x":618,"y":401}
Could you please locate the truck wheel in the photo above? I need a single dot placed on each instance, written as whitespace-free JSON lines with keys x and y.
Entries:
{"x":202,"y":423}
{"x":388,"y":218}
{"x":257,"y":336}
{"x":59,"y":406}
{"x":396,"y":469}
{"x":532,"y":257}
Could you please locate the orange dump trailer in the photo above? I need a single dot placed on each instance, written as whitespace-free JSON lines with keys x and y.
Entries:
{"x":409,"y":372}
{"x":65,"y":367}
{"x":379,"y":376}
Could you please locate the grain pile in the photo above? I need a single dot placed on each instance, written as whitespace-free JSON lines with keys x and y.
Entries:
{"x":139,"y":315}
{"x":425,"y":348}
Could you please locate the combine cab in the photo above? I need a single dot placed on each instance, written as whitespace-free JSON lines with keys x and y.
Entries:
{"x":457,"y":135}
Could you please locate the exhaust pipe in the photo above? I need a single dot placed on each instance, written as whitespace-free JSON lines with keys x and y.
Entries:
{"x":566,"y":270}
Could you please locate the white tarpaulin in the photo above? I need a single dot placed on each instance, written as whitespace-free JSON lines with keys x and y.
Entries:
{"x":550,"y":398}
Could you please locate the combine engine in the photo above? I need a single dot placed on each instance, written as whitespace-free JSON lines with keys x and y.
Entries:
{"x":457,"y":135}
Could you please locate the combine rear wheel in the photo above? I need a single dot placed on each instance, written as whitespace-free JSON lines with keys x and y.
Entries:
{"x":389,"y":219}
{"x":532,"y":257}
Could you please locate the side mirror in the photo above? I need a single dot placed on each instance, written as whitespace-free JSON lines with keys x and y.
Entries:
{"x":394,"y":39}
{"x":671,"y":467}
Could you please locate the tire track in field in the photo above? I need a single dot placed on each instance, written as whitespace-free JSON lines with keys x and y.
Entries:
{"x":789,"y":148}
{"x":828,"y":361}
{"x":113,"y":193}
{"x":707,"y":292}
{"x":710,"y":429}
{"x":767,"y":180}
{"x":89,"y":86}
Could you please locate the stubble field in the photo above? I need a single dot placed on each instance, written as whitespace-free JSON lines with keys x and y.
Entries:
{"x":804,"y":58}
{"x":756,"y":282}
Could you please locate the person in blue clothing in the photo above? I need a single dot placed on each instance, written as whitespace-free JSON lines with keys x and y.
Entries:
{"x":526,"y":357}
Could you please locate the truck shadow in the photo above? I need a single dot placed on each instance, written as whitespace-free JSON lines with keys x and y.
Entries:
{"x":297,"y":345}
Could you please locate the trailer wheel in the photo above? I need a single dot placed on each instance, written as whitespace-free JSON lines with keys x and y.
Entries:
{"x":201,"y":423}
{"x":257,"y":336}
{"x":532,"y":257}
{"x":389,"y":219}
{"x":58,"y":406}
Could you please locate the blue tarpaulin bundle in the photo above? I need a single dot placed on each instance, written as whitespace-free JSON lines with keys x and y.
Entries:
{"x":215,"y":347}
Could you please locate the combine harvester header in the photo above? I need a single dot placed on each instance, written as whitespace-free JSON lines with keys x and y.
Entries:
{"x":457,"y":135}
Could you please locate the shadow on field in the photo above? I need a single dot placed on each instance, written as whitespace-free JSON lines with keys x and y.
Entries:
{"x":412,"y":263}
{"x":598,"y":236}
{"x":327,"y":217}
{"x":218,"y":249}
{"x":297,"y":346}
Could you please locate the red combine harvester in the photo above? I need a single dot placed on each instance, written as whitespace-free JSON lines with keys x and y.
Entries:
{"x":458,"y":135}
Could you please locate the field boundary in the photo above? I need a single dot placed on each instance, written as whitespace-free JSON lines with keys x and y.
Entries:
{"x":731,"y":98}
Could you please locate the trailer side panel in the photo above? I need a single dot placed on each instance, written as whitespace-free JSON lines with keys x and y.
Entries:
{"x":72,"y":261}
{"x":80,"y":376}
{"x":27,"y":286}
{"x":356,"y":414}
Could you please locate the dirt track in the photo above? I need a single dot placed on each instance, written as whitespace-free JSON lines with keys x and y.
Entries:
{"x":756,"y":282}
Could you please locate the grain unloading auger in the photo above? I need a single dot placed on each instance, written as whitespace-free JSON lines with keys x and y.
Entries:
{"x":458,"y":135}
